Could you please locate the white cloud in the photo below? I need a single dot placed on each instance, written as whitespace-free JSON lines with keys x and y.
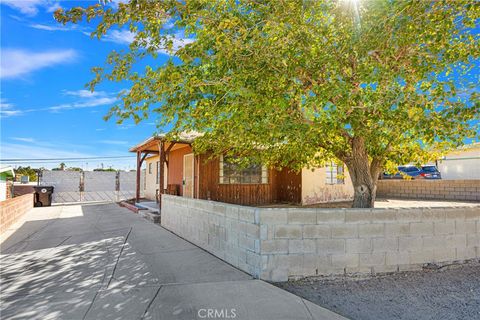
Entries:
{"x":30,"y":140}
{"x":89,"y":103}
{"x":38,"y":150}
{"x":15,"y":17}
{"x":53,"y":7}
{"x":114,"y":3}
{"x":126,"y":37}
{"x":178,"y":43}
{"x":120,"y":36}
{"x":86,"y":99}
{"x":82,"y":93}
{"x":49,"y":28}
{"x":59,"y":27}
{"x":4,"y":104}
{"x":125,"y":126}
{"x":10,"y":113}
{"x":116,"y":142}
{"x":31,"y":7}
{"x":8,"y":109}
{"x":17,"y":62}
{"x":169,"y":24}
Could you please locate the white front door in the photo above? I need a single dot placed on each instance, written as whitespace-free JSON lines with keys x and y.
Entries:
{"x":188,"y":174}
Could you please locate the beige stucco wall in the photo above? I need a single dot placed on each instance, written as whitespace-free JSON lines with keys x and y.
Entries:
{"x":315,"y":190}
{"x":150,"y":178}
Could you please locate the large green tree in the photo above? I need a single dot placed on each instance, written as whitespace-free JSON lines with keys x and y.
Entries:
{"x":27,"y":171}
{"x":298,"y":83}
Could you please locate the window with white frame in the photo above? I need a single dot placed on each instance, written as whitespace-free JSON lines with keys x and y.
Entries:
{"x":335,"y":174}
{"x":158,"y":173}
{"x":232,"y":173}
{"x":150,"y":168}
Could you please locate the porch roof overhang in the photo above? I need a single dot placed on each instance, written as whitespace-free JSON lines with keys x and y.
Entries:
{"x":151,"y":145}
{"x":160,"y":145}
{"x":7,"y":171}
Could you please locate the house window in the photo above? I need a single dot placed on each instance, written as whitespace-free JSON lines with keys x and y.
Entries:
{"x":157,"y":180}
{"x":232,"y":173}
{"x":150,"y":168}
{"x":335,"y":174}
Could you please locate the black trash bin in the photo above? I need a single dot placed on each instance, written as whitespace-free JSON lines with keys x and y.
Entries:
{"x":43,"y":196}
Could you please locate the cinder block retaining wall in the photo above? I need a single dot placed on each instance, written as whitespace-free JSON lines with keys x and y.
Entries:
{"x":430,"y":189}
{"x":230,"y":232}
{"x":280,"y":243}
{"x":303,"y":242}
{"x":12,"y":209}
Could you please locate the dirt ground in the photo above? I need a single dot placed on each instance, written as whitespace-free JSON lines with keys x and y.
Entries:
{"x":452,"y":292}
{"x":383,"y":203}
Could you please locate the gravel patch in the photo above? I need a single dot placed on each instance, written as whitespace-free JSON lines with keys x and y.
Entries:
{"x":383,"y":203}
{"x":451,"y":292}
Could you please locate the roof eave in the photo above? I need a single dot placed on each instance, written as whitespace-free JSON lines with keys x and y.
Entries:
{"x":139,"y":146}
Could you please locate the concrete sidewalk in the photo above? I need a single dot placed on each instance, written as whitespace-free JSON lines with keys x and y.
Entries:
{"x":104,"y":262}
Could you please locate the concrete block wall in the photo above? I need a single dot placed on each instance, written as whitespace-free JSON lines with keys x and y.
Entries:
{"x":430,"y":189}
{"x":278,"y":244}
{"x":12,"y":209}
{"x":230,"y":232}
{"x":308,"y":242}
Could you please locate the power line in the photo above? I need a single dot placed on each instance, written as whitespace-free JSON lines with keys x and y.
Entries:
{"x":92,"y":162}
{"x":64,"y":159}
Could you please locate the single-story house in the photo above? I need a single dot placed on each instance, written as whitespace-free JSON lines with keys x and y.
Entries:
{"x":173,"y":167}
{"x":5,"y":172}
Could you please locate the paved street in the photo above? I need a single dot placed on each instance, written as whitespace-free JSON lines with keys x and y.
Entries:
{"x":104,"y":262}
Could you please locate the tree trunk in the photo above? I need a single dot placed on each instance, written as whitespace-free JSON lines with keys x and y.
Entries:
{"x":364,"y":175}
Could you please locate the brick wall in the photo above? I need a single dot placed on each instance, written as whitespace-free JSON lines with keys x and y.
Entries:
{"x":12,"y":209}
{"x":21,"y":189}
{"x":430,"y":189}
{"x":8,"y":194}
{"x":278,"y":244}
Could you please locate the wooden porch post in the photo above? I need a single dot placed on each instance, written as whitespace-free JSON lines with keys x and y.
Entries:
{"x":137,"y":186}
{"x":196,"y":178}
{"x":161,"y":150}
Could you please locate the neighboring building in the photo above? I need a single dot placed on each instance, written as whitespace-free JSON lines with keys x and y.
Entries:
{"x":463,"y":163}
{"x":5,"y":172}
{"x":195,"y":176}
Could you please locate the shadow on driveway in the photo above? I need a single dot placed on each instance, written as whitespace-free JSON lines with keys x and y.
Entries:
{"x":103,"y":262}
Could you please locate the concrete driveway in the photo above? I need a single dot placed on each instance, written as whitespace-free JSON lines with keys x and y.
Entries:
{"x":104,"y":262}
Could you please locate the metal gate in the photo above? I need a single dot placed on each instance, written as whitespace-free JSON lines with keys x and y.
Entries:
{"x":89,"y":186}
{"x":127,"y":182}
{"x":99,"y":186}
{"x":66,"y":185}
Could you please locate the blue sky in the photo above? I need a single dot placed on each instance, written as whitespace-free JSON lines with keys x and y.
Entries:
{"x":46,"y":112}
